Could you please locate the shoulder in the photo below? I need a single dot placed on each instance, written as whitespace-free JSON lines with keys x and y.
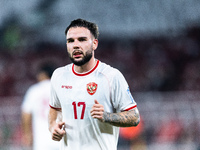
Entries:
{"x":31,"y":92}
{"x":62,"y":70}
{"x":37,"y":87}
{"x":109,"y":71}
{"x":33,"y":88}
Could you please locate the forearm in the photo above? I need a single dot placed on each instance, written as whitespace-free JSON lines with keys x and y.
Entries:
{"x":53,"y":116}
{"x":56,"y":125}
{"x":122,"y":119}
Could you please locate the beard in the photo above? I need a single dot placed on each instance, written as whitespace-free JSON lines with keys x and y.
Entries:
{"x":86,"y":58}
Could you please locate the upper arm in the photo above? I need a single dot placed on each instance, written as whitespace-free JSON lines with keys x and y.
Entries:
{"x":26,"y":117}
{"x":134,"y":113}
{"x":26,"y":122}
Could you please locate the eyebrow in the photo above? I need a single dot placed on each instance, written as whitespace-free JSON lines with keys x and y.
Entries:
{"x":82,"y":37}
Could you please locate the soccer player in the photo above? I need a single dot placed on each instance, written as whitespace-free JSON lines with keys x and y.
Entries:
{"x":93,"y":97}
{"x":35,"y":108}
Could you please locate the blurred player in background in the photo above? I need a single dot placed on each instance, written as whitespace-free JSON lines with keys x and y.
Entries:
{"x":94,"y":98}
{"x":35,"y":108}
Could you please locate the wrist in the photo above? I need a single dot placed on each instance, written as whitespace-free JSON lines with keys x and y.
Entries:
{"x":106,"y":117}
{"x":51,"y":126}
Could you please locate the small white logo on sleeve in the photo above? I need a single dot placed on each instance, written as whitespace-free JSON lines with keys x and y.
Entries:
{"x":129,"y":93}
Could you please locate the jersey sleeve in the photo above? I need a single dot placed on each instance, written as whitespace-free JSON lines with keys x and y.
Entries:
{"x":120,"y":93}
{"x":54,"y":101}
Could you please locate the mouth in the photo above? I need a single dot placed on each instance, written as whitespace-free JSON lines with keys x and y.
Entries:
{"x":77,"y":54}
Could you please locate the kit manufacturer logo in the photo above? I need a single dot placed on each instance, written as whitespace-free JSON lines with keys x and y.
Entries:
{"x":66,"y":87}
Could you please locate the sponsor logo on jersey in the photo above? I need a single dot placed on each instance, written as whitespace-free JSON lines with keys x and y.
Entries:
{"x":66,"y":87}
{"x":91,"y":88}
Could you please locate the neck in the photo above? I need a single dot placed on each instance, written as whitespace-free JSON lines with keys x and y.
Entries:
{"x":86,"y":67}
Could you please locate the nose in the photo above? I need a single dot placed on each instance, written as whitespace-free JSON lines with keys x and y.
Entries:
{"x":76,"y":44}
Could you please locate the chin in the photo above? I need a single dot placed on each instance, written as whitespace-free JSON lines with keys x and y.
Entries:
{"x":78,"y":63}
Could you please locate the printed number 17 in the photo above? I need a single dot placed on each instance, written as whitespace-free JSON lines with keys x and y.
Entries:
{"x":75,"y":109}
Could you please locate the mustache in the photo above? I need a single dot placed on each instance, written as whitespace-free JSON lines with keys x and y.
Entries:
{"x":77,"y":52}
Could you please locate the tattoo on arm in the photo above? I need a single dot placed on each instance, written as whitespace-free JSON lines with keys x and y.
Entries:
{"x":122,"y":119}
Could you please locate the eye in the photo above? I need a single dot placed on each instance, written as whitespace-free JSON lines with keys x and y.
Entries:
{"x":82,"y":39}
{"x":70,"y":40}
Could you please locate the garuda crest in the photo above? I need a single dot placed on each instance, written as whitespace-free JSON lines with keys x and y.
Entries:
{"x":91,"y":88}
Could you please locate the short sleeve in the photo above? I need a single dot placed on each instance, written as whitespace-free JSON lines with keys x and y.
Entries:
{"x":120,"y":93}
{"x":54,"y":101}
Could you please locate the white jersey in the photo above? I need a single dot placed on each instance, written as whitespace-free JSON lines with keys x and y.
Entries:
{"x":36,"y":102}
{"x":75,"y":93}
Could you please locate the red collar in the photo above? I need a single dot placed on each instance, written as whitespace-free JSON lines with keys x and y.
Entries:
{"x":84,"y":74}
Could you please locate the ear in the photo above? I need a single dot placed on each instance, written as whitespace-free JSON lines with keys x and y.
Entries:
{"x":95,"y":44}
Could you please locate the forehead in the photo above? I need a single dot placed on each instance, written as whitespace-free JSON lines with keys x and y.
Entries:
{"x":75,"y":32}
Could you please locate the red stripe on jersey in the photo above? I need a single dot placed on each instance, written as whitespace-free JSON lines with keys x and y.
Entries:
{"x":84,"y":74}
{"x":55,"y":107}
{"x":130,"y":108}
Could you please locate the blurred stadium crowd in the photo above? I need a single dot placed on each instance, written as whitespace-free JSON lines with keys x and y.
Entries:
{"x":149,"y":64}
{"x":154,"y":64}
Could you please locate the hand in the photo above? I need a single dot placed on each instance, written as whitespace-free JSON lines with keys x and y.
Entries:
{"x":57,"y":131}
{"x":97,"y":111}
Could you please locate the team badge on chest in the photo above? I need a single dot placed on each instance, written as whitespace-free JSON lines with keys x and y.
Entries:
{"x":91,"y":88}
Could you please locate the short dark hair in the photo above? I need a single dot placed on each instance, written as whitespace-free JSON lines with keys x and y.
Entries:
{"x":48,"y":68}
{"x":86,"y":24}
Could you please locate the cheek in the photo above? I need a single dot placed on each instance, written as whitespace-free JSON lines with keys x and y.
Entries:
{"x":69,"y":48}
{"x":90,"y":46}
